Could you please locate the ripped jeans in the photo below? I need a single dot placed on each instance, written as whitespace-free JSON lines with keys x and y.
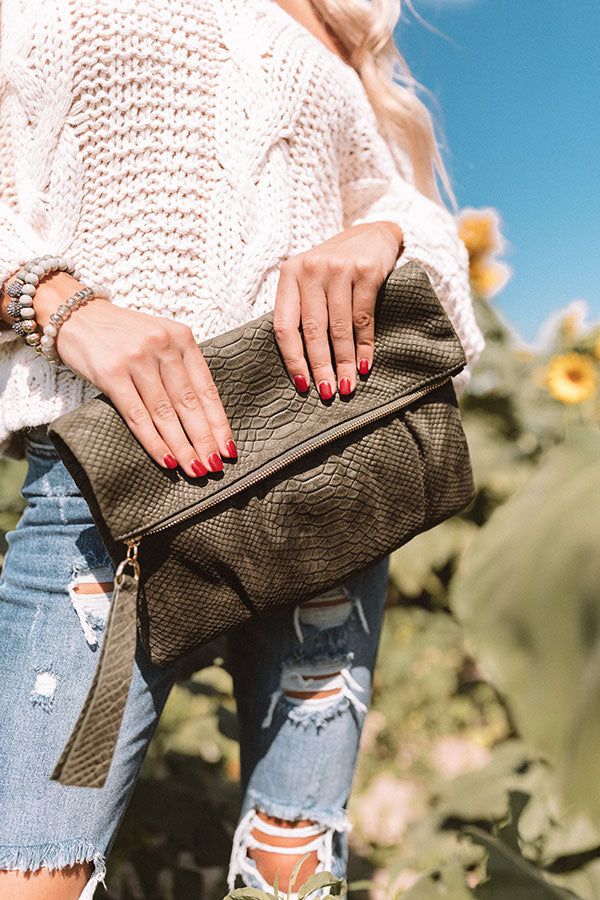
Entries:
{"x":298,"y":751}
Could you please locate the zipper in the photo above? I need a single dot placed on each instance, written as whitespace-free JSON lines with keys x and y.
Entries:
{"x":341,"y":431}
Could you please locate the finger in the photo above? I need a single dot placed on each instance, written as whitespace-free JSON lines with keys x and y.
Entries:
{"x":339,"y":302}
{"x":201,"y":441}
{"x":314,"y":331}
{"x":364,"y":296}
{"x":203,"y":384}
{"x":286,"y":326}
{"x":150,"y":387}
{"x":128,"y":402}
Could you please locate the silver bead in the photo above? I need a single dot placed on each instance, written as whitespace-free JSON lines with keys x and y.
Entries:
{"x":27,"y":312}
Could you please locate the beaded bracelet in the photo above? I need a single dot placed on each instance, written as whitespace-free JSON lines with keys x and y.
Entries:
{"x":20,"y":307}
{"x":22,"y":290}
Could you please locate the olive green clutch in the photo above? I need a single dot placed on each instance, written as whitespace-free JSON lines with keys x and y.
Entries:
{"x":320,"y":491}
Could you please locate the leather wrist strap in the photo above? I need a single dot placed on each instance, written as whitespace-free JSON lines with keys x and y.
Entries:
{"x":86,"y":758}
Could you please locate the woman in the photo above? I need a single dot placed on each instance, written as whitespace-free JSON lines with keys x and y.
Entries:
{"x":201,"y":163}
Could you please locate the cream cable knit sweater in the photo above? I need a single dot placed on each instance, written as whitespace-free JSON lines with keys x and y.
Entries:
{"x":179,"y":151}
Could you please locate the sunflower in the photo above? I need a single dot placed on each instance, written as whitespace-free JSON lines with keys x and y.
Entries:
{"x":487,"y":276}
{"x":571,"y":377}
{"x":479,"y":230}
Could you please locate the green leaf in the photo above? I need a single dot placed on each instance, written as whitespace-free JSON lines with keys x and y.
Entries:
{"x":526,"y":591}
{"x":448,"y":883}
{"x":509,"y":875}
{"x":294,"y":874}
{"x":248,"y":893}
{"x":320,"y":880}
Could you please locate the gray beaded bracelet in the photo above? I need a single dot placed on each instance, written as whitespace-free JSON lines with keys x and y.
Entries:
{"x":22,"y":290}
{"x":47,"y":342}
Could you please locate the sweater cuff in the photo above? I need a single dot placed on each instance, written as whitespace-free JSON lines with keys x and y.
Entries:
{"x":18,"y":244}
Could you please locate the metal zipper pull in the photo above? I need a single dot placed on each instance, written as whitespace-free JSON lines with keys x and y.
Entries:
{"x":130,"y":560}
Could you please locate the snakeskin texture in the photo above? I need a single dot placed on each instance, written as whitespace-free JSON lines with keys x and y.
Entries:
{"x":272,"y":529}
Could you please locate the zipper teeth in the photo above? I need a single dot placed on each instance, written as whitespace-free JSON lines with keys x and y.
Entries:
{"x":341,"y":431}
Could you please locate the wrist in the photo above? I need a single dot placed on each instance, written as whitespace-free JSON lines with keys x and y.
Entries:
{"x":396,"y":232}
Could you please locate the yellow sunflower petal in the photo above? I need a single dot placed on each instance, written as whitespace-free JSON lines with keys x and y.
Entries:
{"x":571,"y":377}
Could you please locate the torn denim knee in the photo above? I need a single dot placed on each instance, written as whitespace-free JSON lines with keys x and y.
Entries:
{"x":329,"y":676}
{"x":91,"y":608}
{"x":331,"y":609}
{"x":317,"y":837}
{"x":44,"y":688}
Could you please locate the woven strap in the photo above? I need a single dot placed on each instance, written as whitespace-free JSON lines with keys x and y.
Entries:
{"x":87,"y":755}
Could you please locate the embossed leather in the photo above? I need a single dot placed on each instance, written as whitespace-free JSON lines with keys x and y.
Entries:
{"x":300,"y":510}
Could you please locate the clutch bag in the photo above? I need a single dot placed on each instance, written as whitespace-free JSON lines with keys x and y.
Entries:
{"x":320,"y":491}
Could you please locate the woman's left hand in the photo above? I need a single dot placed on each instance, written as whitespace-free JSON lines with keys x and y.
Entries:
{"x":330,"y":292}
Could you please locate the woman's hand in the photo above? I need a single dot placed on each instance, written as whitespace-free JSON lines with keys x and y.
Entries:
{"x":152,"y":370}
{"x":333,"y":288}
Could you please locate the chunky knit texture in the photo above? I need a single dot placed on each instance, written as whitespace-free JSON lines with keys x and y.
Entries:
{"x":179,"y":152}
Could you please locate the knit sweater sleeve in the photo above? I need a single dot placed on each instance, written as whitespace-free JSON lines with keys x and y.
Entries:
{"x":379,"y":185}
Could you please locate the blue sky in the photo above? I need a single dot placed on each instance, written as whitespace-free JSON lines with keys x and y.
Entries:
{"x":518,"y":84}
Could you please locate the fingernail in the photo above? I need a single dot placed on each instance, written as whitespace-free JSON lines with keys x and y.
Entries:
{"x":345,"y":385}
{"x":363,"y":366}
{"x":301,"y":383}
{"x":231,"y":449}
{"x":215,"y":462}
{"x":325,"y":390}
{"x":198,"y":468}
{"x":170,"y":461}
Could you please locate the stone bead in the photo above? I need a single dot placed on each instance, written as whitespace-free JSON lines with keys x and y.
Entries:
{"x":33,"y":339}
{"x":76,"y":274}
{"x":28,"y":326}
{"x":13,"y":308}
{"x":27,"y":312}
{"x":26,"y":300}
{"x":47,"y":341}
{"x":63,"y":263}
{"x":15,"y":289}
{"x":28,"y":289}
{"x":38,"y":270}
{"x":21,"y":274}
{"x":54,"y":261}
{"x":57,"y":320}
{"x":31,"y":278}
{"x":50,"y":329}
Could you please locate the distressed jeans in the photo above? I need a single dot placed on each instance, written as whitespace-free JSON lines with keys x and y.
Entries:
{"x":298,"y":753}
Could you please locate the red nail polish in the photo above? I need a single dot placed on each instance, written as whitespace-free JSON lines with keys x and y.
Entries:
{"x":345,"y":385}
{"x":170,"y":461}
{"x":215,"y":462}
{"x":231,"y":449}
{"x":301,"y":383}
{"x":363,"y":366}
{"x":325,"y":390}
{"x":198,"y":468}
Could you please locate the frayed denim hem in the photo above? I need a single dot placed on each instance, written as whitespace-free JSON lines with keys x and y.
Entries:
{"x":56,"y":856}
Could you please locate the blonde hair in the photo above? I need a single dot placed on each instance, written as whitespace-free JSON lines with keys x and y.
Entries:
{"x":364,"y":28}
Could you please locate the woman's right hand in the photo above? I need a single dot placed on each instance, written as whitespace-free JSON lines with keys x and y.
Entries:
{"x":151,"y":369}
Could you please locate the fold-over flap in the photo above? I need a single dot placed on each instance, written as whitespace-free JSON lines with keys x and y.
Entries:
{"x":128,"y":493}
